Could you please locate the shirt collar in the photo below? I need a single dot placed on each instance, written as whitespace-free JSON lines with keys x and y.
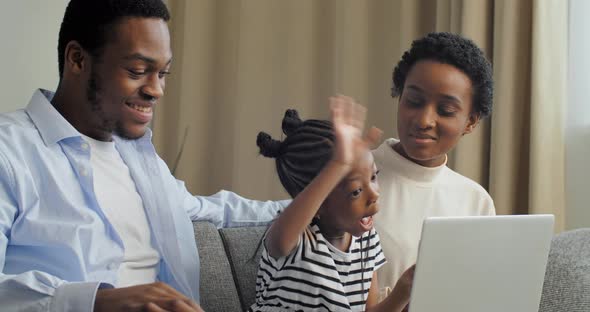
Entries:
{"x":52,"y":126}
{"x":145,"y":139}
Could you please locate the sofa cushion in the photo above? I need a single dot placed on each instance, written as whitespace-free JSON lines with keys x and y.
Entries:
{"x":240,"y":244}
{"x":217,"y":287}
{"x":567,"y":280}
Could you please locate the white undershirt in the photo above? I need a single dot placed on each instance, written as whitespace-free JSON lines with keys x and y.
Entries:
{"x":120,"y":202}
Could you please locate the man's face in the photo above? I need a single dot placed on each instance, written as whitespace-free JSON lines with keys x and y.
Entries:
{"x":127,"y":81}
{"x":434,"y":112}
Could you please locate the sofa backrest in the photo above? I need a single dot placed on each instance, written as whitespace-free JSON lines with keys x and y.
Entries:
{"x":218,"y":290}
{"x":228,"y":266}
{"x":240,"y":245}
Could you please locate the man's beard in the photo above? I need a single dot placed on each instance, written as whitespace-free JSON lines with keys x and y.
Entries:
{"x":93,"y":94}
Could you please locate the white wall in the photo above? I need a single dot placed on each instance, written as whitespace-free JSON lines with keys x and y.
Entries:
{"x":28,"y":57}
{"x":578,"y":117}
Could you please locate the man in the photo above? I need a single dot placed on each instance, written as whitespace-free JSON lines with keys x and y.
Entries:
{"x":90,"y":216}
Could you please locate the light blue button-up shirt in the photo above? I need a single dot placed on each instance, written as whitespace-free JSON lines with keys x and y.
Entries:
{"x":56,"y":245}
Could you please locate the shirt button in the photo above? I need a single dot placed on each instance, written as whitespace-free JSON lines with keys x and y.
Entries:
{"x":111,"y":266}
{"x":83,"y":172}
{"x":84,"y":146}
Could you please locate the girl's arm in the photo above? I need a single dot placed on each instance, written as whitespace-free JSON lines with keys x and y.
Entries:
{"x":284,"y":232}
{"x":348,"y":119}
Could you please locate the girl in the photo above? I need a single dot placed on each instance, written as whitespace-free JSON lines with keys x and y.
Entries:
{"x":322,"y":252}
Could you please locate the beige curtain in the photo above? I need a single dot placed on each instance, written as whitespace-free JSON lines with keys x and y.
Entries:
{"x":527,"y":144}
{"x":238,"y":64}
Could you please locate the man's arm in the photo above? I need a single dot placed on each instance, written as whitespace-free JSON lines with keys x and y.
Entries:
{"x":224,"y":209}
{"x":228,"y":209}
{"x":21,"y":293}
{"x":33,"y":290}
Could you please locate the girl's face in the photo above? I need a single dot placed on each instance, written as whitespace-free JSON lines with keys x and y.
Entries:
{"x":434,"y":112}
{"x":351,"y":205}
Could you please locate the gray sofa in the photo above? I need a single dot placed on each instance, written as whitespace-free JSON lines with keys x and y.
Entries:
{"x":229,"y":267}
{"x":567,"y":279}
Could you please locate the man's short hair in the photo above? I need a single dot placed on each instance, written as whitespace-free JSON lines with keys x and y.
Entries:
{"x":89,"y":22}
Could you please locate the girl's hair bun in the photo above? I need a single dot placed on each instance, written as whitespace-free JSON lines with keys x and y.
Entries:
{"x":291,"y":122}
{"x":268,"y":146}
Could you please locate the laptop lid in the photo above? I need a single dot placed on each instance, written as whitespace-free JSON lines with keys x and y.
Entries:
{"x":483,"y":263}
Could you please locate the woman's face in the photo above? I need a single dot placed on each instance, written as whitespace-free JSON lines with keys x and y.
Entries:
{"x":434,"y":112}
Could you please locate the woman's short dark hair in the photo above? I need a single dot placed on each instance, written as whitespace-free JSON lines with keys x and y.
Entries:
{"x":455,"y":50}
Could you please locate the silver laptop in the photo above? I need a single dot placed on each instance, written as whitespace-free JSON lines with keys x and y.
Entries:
{"x":481,"y":264}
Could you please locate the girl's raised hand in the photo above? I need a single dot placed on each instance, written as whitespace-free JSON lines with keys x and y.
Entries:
{"x":349,"y":121}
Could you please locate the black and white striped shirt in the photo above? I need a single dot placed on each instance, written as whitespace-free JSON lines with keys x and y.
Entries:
{"x":317,"y":276}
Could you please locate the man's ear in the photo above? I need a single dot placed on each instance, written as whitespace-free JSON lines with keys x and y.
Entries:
{"x":472,"y":123}
{"x":76,"y":58}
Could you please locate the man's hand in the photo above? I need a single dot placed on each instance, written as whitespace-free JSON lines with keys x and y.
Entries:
{"x":156,"y":297}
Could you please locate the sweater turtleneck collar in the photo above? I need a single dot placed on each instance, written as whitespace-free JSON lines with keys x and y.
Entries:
{"x":408,"y":168}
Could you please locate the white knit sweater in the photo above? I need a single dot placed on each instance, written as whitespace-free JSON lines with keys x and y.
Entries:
{"x":410,"y":193}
